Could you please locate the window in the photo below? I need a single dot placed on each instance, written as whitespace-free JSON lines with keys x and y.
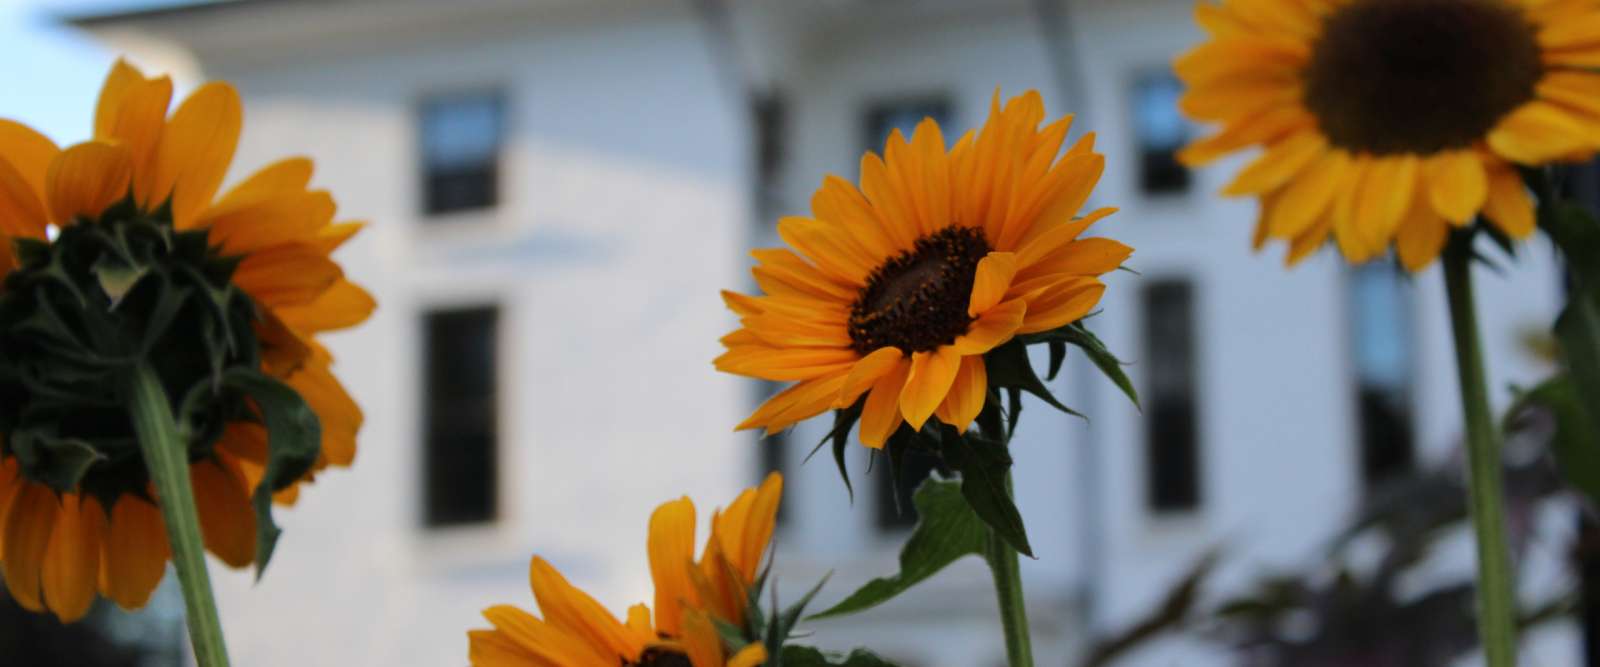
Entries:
{"x":1381,"y":342}
{"x":460,"y":416}
{"x":1171,"y":415}
{"x":881,"y":120}
{"x":461,"y":140}
{"x":885,"y":117}
{"x":899,"y":513}
{"x":769,"y":114}
{"x":1160,"y":131}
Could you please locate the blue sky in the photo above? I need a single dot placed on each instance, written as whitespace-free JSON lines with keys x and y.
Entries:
{"x":50,"y":73}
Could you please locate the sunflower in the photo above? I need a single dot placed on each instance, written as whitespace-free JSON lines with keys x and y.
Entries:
{"x":690,"y":599}
{"x":897,"y":289}
{"x":60,"y":546}
{"x":1387,"y":122}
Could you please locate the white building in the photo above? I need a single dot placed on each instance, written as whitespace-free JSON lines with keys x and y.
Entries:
{"x":558,"y":190}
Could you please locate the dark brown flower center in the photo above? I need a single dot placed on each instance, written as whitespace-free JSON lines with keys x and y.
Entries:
{"x":1419,"y":76}
{"x":655,"y":657}
{"x":917,"y":301}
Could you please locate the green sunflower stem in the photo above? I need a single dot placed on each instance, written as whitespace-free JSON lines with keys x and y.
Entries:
{"x":167,"y":457}
{"x":1496,"y":603}
{"x":1006,"y":568}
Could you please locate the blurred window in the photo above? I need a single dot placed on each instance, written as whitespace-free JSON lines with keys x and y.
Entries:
{"x":460,"y":416}
{"x":897,"y":513}
{"x":1160,"y":131}
{"x":1170,"y":384}
{"x":881,"y":119}
{"x":1381,"y":340}
{"x":461,"y":138}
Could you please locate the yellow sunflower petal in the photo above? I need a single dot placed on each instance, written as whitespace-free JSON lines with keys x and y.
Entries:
{"x":1061,"y":305}
{"x":931,"y":376}
{"x":671,"y":548}
{"x":967,"y":394}
{"x":1539,"y":132}
{"x":1385,"y":194}
{"x":22,"y":212}
{"x":753,"y":655}
{"x":135,"y":553}
{"x":72,"y":559}
{"x":567,"y":608}
{"x":1281,"y":162}
{"x":227,"y":521}
{"x":343,"y":305}
{"x":29,"y":153}
{"x":135,"y":119}
{"x":1306,"y":198}
{"x":866,"y":373}
{"x":29,"y":523}
{"x":701,"y":641}
{"x":545,"y":642}
{"x":492,"y":648}
{"x":990,"y":282}
{"x":1457,"y":185}
{"x":194,"y":152}
{"x":86,"y":179}
{"x":880,"y":415}
{"x":1308,"y":241}
{"x":1421,"y":238}
{"x":1508,"y":205}
{"x":993,"y":328}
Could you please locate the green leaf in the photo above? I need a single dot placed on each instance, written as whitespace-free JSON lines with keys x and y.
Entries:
{"x":947,"y":530}
{"x":1108,"y":363}
{"x":1575,"y":231}
{"x":1008,"y":367}
{"x":796,"y":655}
{"x":294,"y":440}
{"x":984,"y":465}
{"x":1058,"y":354}
{"x":1576,"y":442}
{"x":1578,"y":329}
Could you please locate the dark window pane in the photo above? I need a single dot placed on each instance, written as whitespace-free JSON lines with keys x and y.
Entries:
{"x":461,"y":141}
{"x":1171,"y":416}
{"x":885,"y":117}
{"x":460,"y":414}
{"x":1159,"y":130}
{"x":1381,"y":337}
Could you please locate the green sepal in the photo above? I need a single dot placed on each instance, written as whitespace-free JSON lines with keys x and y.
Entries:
{"x":1008,"y":367}
{"x":796,"y":655}
{"x":294,"y":440}
{"x":843,"y":420}
{"x":1576,"y":441}
{"x":947,"y":530}
{"x":780,"y":626}
{"x":984,"y":464}
{"x":59,"y":463}
{"x":1058,"y":355}
{"x":1078,"y":335}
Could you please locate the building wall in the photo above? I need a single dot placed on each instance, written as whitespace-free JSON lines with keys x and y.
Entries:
{"x":623,"y":201}
{"x":627,"y":206}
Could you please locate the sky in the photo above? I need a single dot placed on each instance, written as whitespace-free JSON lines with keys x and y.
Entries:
{"x":51,"y":73}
